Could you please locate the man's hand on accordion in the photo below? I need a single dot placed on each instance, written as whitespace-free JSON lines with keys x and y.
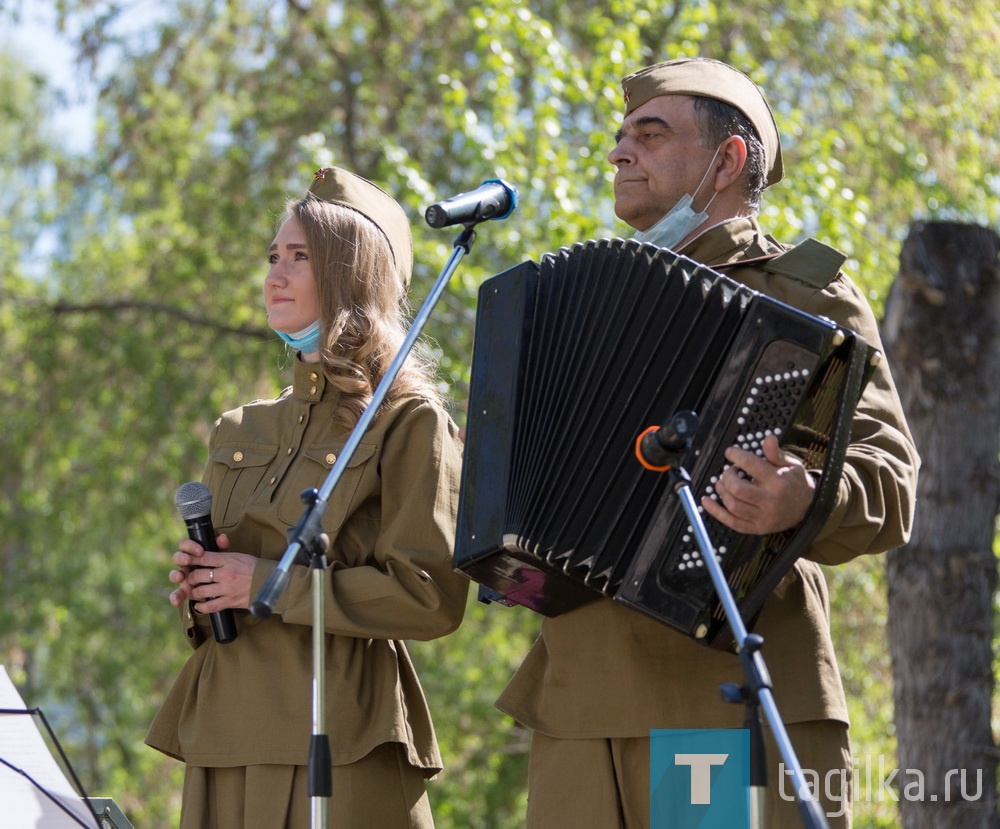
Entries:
{"x":773,"y":493}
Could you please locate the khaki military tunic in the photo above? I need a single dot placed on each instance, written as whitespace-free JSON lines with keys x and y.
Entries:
{"x":391,"y":522}
{"x":604,"y":670}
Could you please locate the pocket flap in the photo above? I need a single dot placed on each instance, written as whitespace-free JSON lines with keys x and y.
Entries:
{"x":242,"y":455}
{"x":327,"y":455}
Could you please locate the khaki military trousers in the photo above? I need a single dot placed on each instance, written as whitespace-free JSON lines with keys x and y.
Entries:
{"x":604,"y":783}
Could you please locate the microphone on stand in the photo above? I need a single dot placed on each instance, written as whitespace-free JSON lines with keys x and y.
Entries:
{"x":194,"y":502}
{"x":493,"y":199}
{"x":660,"y":447}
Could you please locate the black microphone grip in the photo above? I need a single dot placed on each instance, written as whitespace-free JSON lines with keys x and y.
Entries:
{"x":200,"y":529}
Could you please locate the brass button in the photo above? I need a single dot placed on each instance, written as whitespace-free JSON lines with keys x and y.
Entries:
{"x":301,"y":418}
{"x":237,"y":456}
{"x":313,"y":376}
{"x":271,"y":482}
{"x":312,"y":390}
{"x":290,"y":450}
{"x":331,"y":458}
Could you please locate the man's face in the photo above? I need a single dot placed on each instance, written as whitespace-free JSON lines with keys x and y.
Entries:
{"x":659,"y":157}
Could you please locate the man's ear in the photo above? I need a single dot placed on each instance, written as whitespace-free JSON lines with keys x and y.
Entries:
{"x":730,"y":162}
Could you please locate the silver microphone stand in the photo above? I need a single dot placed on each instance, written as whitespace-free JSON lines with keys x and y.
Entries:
{"x":668,"y":445}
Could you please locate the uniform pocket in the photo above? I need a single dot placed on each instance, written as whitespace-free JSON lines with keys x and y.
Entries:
{"x":310,"y":472}
{"x":244,"y":468}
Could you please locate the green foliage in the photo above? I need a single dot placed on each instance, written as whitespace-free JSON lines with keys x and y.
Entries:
{"x":859,"y":620}
{"x":130,"y":311}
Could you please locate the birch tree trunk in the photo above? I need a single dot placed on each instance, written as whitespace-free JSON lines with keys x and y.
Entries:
{"x":942,"y":334}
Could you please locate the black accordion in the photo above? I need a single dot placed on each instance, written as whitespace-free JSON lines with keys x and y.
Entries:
{"x":574,"y":357}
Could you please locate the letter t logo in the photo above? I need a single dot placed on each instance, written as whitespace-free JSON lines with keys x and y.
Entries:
{"x":701,"y":774}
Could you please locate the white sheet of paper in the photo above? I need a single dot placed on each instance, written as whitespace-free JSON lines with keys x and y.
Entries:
{"x":22,"y":746}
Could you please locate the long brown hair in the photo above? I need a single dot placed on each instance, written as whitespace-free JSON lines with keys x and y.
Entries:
{"x":362,"y":307}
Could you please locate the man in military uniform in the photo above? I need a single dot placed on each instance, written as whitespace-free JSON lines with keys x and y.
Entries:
{"x":697,"y":146}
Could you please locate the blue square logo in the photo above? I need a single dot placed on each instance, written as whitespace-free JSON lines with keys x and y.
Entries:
{"x":699,"y":779}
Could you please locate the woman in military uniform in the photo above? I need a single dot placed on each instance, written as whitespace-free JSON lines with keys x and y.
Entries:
{"x":240,"y":715}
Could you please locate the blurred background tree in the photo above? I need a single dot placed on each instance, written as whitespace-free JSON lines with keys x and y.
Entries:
{"x":130,"y":288}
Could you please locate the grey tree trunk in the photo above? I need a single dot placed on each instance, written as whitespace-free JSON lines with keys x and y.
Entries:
{"x":942,"y":334}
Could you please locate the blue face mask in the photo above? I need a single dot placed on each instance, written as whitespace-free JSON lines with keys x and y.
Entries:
{"x":680,"y":220}
{"x":306,"y":340}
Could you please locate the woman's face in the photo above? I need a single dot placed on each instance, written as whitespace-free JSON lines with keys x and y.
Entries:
{"x":290,"y":288}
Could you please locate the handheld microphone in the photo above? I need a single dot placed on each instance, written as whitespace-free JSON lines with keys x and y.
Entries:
{"x":194,"y":502}
{"x":493,"y":199}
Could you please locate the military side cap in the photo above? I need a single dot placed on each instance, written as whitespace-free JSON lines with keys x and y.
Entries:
{"x":709,"y":79}
{"x":332,"y":184}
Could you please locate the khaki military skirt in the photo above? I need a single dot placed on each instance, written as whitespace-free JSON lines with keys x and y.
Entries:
{"x":382,"y":789}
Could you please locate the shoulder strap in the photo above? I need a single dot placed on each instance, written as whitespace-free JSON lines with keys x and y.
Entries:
{"x":811,"y":261}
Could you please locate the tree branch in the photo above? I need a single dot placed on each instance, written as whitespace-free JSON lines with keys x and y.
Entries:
{"x":62,"y":307}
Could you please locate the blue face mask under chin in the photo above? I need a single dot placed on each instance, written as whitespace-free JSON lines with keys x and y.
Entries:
{"x":306,"y":340}
{"x":680,"y":220}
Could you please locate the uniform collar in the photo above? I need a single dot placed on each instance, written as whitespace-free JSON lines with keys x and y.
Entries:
{"x":308,"y":381}
{"x":729,"y":241}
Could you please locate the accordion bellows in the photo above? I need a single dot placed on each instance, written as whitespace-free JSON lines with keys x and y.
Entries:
{"x":578,"y":354}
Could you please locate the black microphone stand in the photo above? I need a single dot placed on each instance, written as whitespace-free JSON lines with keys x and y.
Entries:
{"x":669,"y":445}
{"x":308,"y":545}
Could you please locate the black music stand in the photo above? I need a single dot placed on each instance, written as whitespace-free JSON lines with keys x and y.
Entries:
{"x":108,"y":813}
{"x":666,"y":447}
{"x":30,"y":762}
